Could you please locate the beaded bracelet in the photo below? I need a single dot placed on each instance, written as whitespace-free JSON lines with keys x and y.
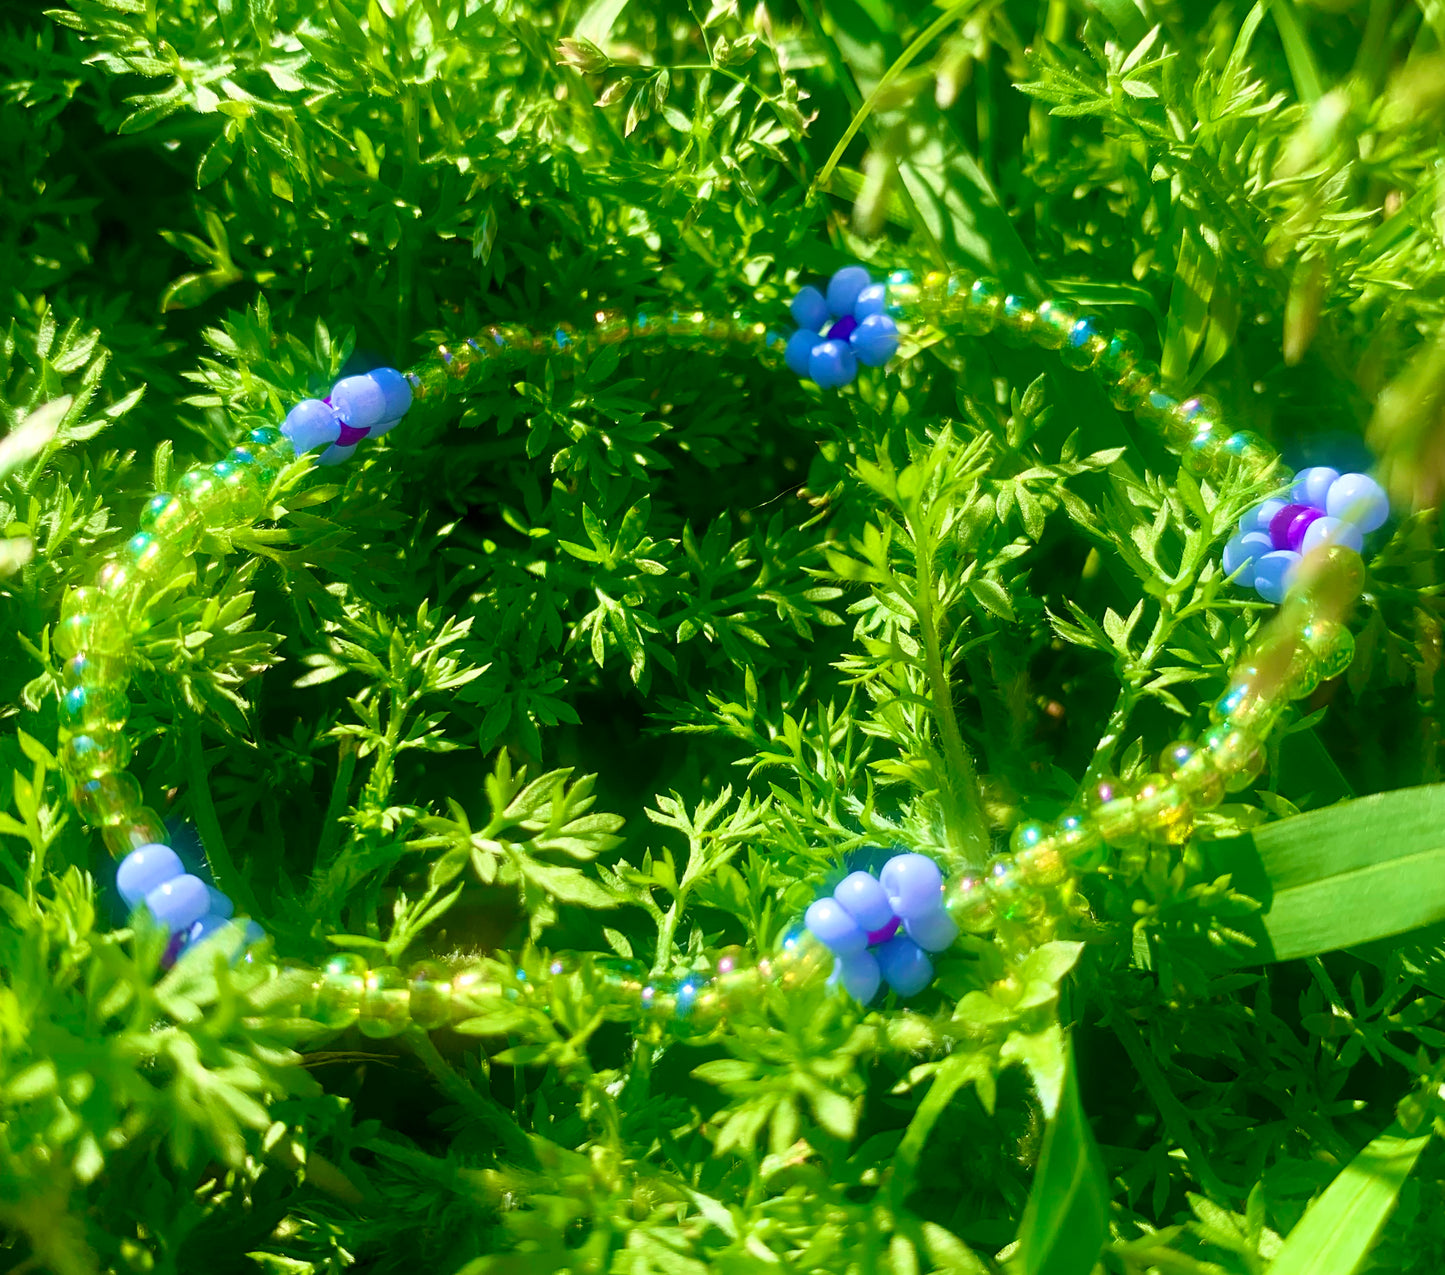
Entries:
{"x":875,"y":929}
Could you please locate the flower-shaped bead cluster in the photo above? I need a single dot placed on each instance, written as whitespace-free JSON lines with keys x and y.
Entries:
{"x":189,"y":908}
{"x":860,"y":925}
{"x":841,"y":329}
{"x":359,"y":407}
{"x":1324,"y":507}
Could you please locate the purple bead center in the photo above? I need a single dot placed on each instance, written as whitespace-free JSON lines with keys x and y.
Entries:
{"x":843,"y":329}
{"x":1295,"y":533}
{"x":886,"y":933}
{"x":1279,"y":525}
{"x":350,"y":435}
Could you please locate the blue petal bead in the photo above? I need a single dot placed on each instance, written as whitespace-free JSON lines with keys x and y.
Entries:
{"x":179,"y":903}
{"x":844,"y":289}
{"x":395,"y":389}
{"x":205,"y":927}
{"x":252,"y":933}
{"x":799,"y":350}
{"x":809,"y":309}
{"x":875,"y":340}
{"x":865,"y":900}
{"x":858,"y":975}
{"x":221,"y":904}
{"x":914,"y":885}
{"x":834,"y":928}
{"x":1332,"y":531}
{"x":335,"y":455}
{"x":832,"y":364}
{"x":933,"y":931}
{"x":904,"y":965}
{"x":311,"y":423}
{"x":872,"y":300}
{"x":1246,"y":547}
{"x":1274,"y":572}
{"x":1312,"y":486}
{"x":1259,"y":518}
{"x":142,"y":870}
{"x":359,"y":401}
{"x":1359,"y":499}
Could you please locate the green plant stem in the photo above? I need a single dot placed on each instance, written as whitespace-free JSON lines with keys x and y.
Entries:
{"x":512,"y":1139}
{"x":223,"y":867}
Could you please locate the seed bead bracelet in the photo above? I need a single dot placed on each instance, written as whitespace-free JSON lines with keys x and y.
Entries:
{"x":871,"y":930}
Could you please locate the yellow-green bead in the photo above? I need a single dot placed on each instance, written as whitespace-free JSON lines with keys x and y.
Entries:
{"x":1156,"y":410}
{"x":81,"y":601}
{"x":612,"y":328}
{"x":971,"y":904}
{"x":242,"y":494}
{"x":1203,"y":454}
{"x":1111,"y":809}
{"x":1332,"y":645}
{"x":1017,"y":319}
{"x":108,"y":800}
{"x":343,"y":984}
{"x":170,"y":518}
{"x":96,"y":753}
{"x":1079,"y":840}
{"x":95,"y":670}
{"x":650,"y":330}
{"x":118,"y":584}
{"x":1194,"y":770}
{"x":260,"y":463}
{"x":902,"y":295}
{"x":150,"y":556}
{"x":1194,"y":416}
{"x":1027,"y":835}
{"x":1131,"y":390}
{"x":1165,"y":813}
{"x":1246,"y":448}
{"x":85,"y":708}
{"x":1236,"y":753}
{"x":618,"y":981}
{"x":270,"y":444}
{"x":429,"y":995}
{"x":384,"y":1001}
{"x":141,"y":827}
{"x":198,"y":488}
{"x":104,"y":632}
{"x":1121,"y":353}
{"x":1042,"y":864}
{"x":1248,"y":702}
{"x":1054,"y":322}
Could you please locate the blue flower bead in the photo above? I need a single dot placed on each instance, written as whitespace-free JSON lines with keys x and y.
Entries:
{"x":865,"y":900}
{"x":905,"y":966}
{"x":142,"y":870}
{"x":844,"y":289}
{"x":838,"y":331}
{"x":914,"y":884}
{"x":831,"y":925}
{"x":832,"y":364}
{"x":310,"y":424}
{"x":809,"y":309}
{"x":858,"y":975}
{"x":1359,"y":499}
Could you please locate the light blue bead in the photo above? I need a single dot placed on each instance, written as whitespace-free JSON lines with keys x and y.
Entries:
{"x":844,"y":288}
{"x":904,"y":965}
{"x":865,"y":900}
{"x":221,"y":904}
{"x":933,"y":931}
{"x":832,"y":364}
{"x":799,"y":349}
{"x":335,"y":455}
{"x":1246,"y":547}
{"x":914,"y":884}
{"x":1259,"y":518}
{"x":1359,"y":499}
{"x":872,"y":300}
{"x":1312,"y":486}
{"x":809,"y":309}
{"x":251,"y":933}
{"x":359,"y":401}
{"x":311,"y":423}
{"x":208,"y":925}
{"x":396,"y":390}
{"x":1332,"y":531}
{"x":834,"y":928}
{"x":143,"y":869}
{"x":1274,"y":573}
{"x":875,"y":340}
{"x":179,"y":903}
{"x":858,"y":975}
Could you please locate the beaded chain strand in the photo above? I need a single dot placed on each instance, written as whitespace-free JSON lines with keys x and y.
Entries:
{"x":1303,"y":552}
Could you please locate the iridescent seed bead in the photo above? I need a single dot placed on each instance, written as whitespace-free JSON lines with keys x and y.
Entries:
{"x":84,"y":708}
{"x":1015,"y":898}
{"x":117,"y":583}
{"x":473,"y":992}
{"x":1111,"y":808}
{"x":1042,"y":864}
{"x":1248,"y":701}
{"x":108,"y":800}
{"x":1086,"y":343}
{"x":1079,"y":840}
{"x":460,"y":362}
{"x":430,"y":382}
{"x":1027,"y":835}
{"x":1194,"y":770}
{"x":1017,"y":319}
{"x":141,"y":827}
{"x":1332,"y":645}
{"x":687,"y":328}
{"x":970,"y":903}
{"x":717,"y":330}
{"x":934,"y":292}
{"x":980,"y":307}
{"x":199,"y":489}
{"x":1165,"y":813}
{"x":1134,"y":386}
{"x":1246,"y":448}
{"x":429,"y":995}
{"x":562,"y":339}
{"x":1156,"y":410}
{"x":343,"y":983}
{"x":81,"y":601}
{"x":650,"y":330}
{"x":96,"y":669}
{"x":384,"y":1000}
{"x":242,"y":492}
{"x":173,"y":519}
{"x":104,"y":632}
{"x":269,"y":442}
{"x":750,"y":337}
{"x":149,"y":556}
{"x":1055,"y":320}
{"x":1121,"y":353}
{"x":1192,"y":417}
{"x":902,"y":294}
{"x":1236,"y":753}
{"x":619,"y":981}
{"x":260,"y":463}
{"x":1202,"y":454}
{"x":610,"y":327}
{"x":99,"y":753}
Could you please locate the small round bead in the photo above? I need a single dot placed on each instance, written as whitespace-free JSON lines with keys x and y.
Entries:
{"x":904,"y":965}
{"x":872,"y":300}
{"x":103,"y":632}
{"x":269,"y":442}
{"x":1200,"y":414}
{"x":1274,"y":573}
{"x":1312,"y":486}
{"x":151,"y":556}
{"x":863,"y":898}
{"x":832,"y":364}
{"x":1027,"y":835}
{"x":96,"y":669}
{"x":1201,"y":454}
{"x":140,"y":827}
{"x":396,"y":391}
{"x":933,"y":931}
{"x":1331,"y":644}
{"x":179,"y":903}
{"x":1054,"y":322}
{"x":384,"y":999}
{"x":1110,"y":804}
{"x":85,"y":708}
{"x":146,"y":869}
{"x":844,"y":288}
{"x":831,"y":925}
{"x":1299,"y":527}
{"x":875,"y":340}
{"x":1359,"y":499}
{"x":1017,"y":318}
{"x":1043,"y":864}
{"x":799,"y":350}
{"x":343,"y":982}
{"x":611,"y":327}
{"x":82,"y":601}
{"x":1159,"y":408}
{"x":260,"y":463}
{"x":1249,"y":702}
{"x":1120,"y":354}
{"x":1243,"y":551}
{"x":1078,"y":840}
{"x":311,"y":424}
{"x":96,"y":754}
{"x":1260,"y":517}
{"x":335,"y":455}
{"x":809,"y":309}
{"x":1236,"y":753}
{"x":1165,"y":814}
{"x":172,"y":519}
{"x":971,"y":904}
{"x":1281,"y":524}
{"x":241,"y":493}
{"x":1132,"y":388}
{"x":1248,"y":448}
{"x":1192,"y":768}
{"x":109,"y":799}
{"x":914,"y":884}
{"x":429,"y":999}
{"x":858,"y":974}
{"x":1086,"y":343}
{"x":1332,"y":531}
{"x":973,"y":306}
{"x":220,"y":904}
{"x":903,"y":293}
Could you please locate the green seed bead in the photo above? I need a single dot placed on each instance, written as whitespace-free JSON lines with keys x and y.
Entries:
{"x":241,"y":491}
{"x":118,"y":584}
{"x":96,"y":670}
{"x":98,"y":753}
{"x":461,"y":362}
{"x":1079,"y":840}
{"x":1165,"y":812}
{"x":1249,"y":701}
{"x":108,"y":800}
{"x":170,"y":518}
{"x":149,"y":556}
{"x":933,"y":295}
{"x":1121,"y":353}
{"x":1192,"y":417}
{"x":268,"y":441}
{"x":429,"y":991}
{"x":81,"y":601}
{"x":1027,"y":835}
{"x":1332,"y":645}
{"x":259,"y":462}
{"x":1203,"y":454}
{"x":1055,"y":321}
{"x":971,"y":904}
{"x":343,"y":984}
{"x":1086,"y":344}
{"x":1246,"y":448}
{"x":141,"y":827}
{"x":1015,"y":898}
{"x":1193,"y":769}
{"x":84,"y":709}
{"x":902,"y":295}
{"x":612,"y":327}
{"x":1156,"y":410}
{"x":1017,"y":319}
{"x":432,"y":383}
{"x":1042,"y":864}
{"x":1236,"y":754}
{"x":104,"y":632}
{"x":687,"y":328}
{"x":620,"y":981}
{"x":1134,"y":386}
{"x":650,"y":330}
{"x":384,"y":1000}
{"x":976,"y":306}
{"x":751,"y":338}
{"x":1111,"y":809}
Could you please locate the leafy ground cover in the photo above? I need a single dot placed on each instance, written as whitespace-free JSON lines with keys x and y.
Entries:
{"x":634,"y":660}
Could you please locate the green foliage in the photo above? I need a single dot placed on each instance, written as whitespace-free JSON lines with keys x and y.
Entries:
{"x":633,"y":657}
